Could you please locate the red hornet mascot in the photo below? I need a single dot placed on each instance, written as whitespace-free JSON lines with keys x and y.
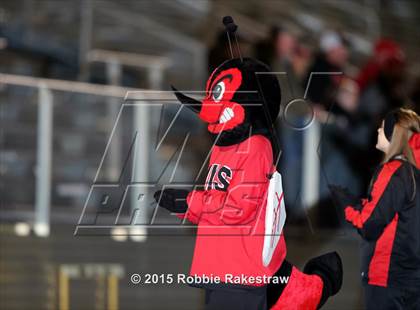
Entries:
{"x":240,"y":213}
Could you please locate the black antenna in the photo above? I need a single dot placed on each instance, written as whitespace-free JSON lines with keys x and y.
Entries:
{"x":230,"y":45}
{"x":231,"y":28}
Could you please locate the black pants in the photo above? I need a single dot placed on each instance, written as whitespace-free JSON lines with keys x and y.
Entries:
{"x":387,"y":298}
{"x":236,"y":299}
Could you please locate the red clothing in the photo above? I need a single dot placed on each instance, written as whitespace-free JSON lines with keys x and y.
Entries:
{"x":388,"y":222}
{"x":230,"y":213}
{"x":303,"y":292}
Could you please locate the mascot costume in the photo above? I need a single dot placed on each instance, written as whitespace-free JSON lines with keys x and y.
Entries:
{"x":240,"y":212}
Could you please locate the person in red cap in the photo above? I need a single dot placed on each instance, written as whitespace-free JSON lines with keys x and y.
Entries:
{"x":387,"y":55}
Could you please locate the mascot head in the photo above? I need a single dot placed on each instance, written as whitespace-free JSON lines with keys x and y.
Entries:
{"x":242,"y":98}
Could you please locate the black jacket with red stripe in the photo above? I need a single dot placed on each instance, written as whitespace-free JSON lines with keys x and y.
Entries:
{"x":389,"y":223}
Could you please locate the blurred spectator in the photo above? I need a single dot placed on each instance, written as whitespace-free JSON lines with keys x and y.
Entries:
{"x":284,"y":45}
{"x":278,"y":49}
{"x":332,"y":57}
{"x":335,"y":102}
{"x":285,"y":54}
{"x":265,"y":49}
{"x":387,"y":54}
{"x":381,"y":80}
{"x":333,"y":95}
{"x":301,"y":58}
{"x":381,"y":83}
{"x":284,"y":51}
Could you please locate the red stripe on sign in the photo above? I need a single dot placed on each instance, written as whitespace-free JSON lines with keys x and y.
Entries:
{"x":379,"y":264}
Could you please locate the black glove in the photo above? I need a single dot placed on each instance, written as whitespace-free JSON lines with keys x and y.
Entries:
{"x":172,"y":199}
{"x":343,"y":197}
{"x":330,"y":268}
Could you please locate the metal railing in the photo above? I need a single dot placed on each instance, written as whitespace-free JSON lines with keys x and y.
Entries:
{"x":44,"y":155}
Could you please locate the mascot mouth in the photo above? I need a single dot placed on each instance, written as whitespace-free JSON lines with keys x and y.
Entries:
{"x":227,"y":115}
{"x":230,"y":117}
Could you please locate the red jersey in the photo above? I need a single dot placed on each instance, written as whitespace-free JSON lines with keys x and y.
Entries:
{"x":230,"y":213}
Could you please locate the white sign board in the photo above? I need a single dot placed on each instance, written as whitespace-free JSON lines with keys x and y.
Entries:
{"x":275,"y":217}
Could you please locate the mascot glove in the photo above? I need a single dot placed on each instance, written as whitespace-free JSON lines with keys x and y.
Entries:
{"x":174,"y":200}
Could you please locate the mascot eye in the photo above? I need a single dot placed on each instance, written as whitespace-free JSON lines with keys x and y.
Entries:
{"x":218,"y":91}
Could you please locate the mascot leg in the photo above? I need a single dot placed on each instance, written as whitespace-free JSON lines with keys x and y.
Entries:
{"x":322,"y":278}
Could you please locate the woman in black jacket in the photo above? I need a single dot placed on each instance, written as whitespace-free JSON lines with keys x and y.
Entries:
{"x":389,"y":219}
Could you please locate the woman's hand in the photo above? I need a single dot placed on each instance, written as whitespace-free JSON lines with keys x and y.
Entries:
{"x":343,"y":197}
